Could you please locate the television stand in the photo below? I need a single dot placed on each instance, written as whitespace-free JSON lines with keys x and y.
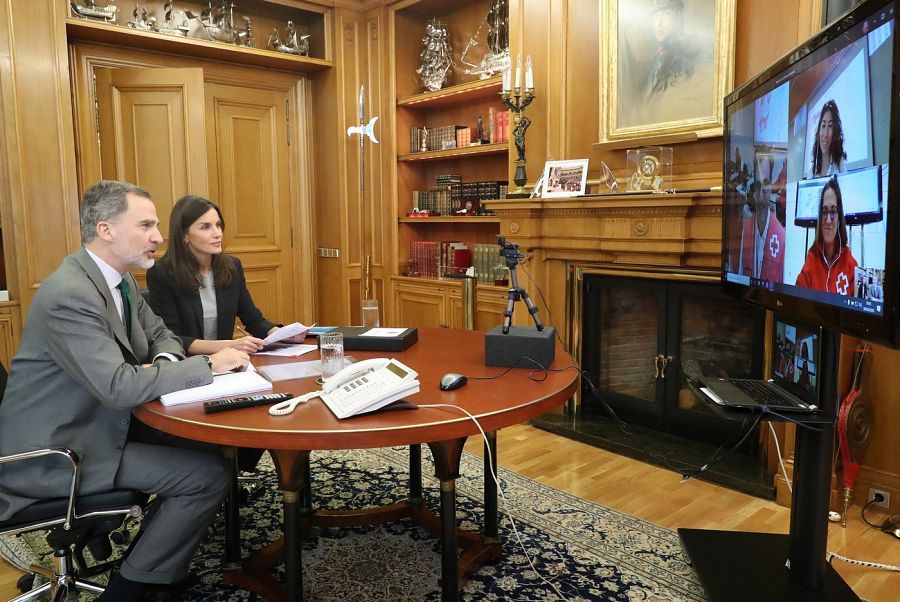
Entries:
{"x":735,"y":566}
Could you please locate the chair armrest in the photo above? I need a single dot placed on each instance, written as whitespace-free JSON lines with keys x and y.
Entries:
{"x":71,"y":456}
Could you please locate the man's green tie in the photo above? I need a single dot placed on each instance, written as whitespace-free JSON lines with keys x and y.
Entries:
{"x":125,"y":289}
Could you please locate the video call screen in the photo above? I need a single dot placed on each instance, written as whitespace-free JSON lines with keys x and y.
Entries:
{"x":795,"y":358}
{"x":807,"y":174}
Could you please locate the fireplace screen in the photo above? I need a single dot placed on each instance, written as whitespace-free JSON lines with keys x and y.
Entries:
{"x":646,"y":342}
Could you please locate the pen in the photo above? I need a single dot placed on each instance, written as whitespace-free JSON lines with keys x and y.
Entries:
{"x":245,"y":333}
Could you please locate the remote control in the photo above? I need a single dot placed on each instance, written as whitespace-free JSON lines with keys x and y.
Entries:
{"x":222,"y":405}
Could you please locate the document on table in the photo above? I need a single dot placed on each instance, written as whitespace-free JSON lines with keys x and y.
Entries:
{"x":292,"y":370}
{"x":285,"y":350}
{"x":226,"y":385}
{"x":291,"y":330}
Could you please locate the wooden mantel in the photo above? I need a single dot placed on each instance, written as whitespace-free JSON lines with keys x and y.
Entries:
{"x":680,"y":230}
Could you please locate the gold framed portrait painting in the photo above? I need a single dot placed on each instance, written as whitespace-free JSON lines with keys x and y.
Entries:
{"x":665,"y":67}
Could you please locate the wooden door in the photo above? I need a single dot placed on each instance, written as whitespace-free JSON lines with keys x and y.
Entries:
{"x":247,"y":141}
{"x":152,"y":132}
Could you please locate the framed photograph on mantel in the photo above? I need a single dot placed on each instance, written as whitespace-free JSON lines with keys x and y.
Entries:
{"x":665,"y":66}
{"x":564,"y":178}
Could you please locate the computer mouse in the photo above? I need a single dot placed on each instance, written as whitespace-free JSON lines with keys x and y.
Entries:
{"x":451,"y":381}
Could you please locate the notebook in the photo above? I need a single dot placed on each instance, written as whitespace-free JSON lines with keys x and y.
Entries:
{"x":226,"y":385}
{"x":794,"y":383}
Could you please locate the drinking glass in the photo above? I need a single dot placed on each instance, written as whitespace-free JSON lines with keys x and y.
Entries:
{"x":370,"y":317}
{"x":331,"y":352}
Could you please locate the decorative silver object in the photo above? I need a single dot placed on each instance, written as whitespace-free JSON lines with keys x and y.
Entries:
{"x":141,"y":21}
{"x":170,"y":28}
{"x":436,"y":56}
{"x":298,"y":45}
{"x":90,"y":10}
{"x":363,"y":130}
{"x":218,"y":22}
{"x":496,"y":60}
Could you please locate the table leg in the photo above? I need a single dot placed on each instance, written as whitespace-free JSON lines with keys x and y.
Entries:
{"x":232,"y":515}
{"x":447,"y":455}
{"x":415,"y":474}
{"x":449,"y":582}
{"x":491,"y":516}
{"x":292,"y":468}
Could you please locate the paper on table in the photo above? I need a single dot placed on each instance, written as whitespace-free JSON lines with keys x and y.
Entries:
{"x":277,"y":372}
{"x":287,"y":350}
{"x":226,"y":385}
{"x":291,"y":330}
{"x":383,"y":332}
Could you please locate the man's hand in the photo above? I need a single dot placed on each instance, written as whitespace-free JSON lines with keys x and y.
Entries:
{"x":229,"y":359}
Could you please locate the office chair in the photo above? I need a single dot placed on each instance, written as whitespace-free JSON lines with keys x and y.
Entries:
{"x":75,"y":523}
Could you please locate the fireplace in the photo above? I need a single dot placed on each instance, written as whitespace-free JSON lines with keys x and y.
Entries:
{"x":644,"y":339}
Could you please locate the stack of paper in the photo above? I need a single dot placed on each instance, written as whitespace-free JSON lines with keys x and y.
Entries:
{"x":226,"y":385}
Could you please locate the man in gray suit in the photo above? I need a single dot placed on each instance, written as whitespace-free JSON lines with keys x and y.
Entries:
{"x":91,"y":351}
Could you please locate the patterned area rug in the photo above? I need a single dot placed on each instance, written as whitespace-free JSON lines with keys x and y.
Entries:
{"x":586,"y":551}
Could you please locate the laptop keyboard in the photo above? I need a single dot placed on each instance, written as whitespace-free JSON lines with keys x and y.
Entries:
{"x":763,"y":394}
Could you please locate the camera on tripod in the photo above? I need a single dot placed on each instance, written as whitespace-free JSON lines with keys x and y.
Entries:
{"x":510,"y":250}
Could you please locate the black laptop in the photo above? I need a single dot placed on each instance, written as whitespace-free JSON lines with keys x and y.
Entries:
{"x":794,"y":383}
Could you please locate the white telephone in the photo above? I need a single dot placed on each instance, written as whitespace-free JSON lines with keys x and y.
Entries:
{"x":368,"y":385}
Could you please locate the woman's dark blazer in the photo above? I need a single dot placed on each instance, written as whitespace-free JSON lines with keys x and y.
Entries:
{"x":183,"y":313}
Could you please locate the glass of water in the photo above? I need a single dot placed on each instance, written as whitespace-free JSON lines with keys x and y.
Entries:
{"x":331,"y":352}
{"x":370,"y":317}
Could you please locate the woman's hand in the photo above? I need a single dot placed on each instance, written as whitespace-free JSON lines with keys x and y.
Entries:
{"x":246,"y":344}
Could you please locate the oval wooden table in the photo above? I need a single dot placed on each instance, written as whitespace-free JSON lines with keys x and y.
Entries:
{"x":515,"y":397}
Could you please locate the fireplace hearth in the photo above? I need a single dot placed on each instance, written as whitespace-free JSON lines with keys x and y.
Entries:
{"x":644,"y":341}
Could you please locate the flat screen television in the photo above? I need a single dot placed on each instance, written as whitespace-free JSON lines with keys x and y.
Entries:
{"x":811,"y":214}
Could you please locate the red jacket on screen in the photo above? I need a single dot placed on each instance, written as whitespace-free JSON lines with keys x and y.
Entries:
{"x":836,"y":278}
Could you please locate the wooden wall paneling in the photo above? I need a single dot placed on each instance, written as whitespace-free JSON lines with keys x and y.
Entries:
{"x":306,"y":279}
{"x":153,"y":133}
{"x":266,"y":92}
{"x":248,"y":144}
{"x":380,"y":226}
{"x":38,"y":149}
{"x":10,"y":332}
{"x":582,"y":82}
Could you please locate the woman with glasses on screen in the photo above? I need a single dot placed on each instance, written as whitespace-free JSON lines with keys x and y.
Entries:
{"x":829,"y":264}
{"x":828,"y":156}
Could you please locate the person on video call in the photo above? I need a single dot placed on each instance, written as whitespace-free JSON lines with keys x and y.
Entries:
{"x":92,"y":351}
{"x":199,"y":292}
{"x":762,"y":235}
{"x":803,"y":379}
{"x":828,"y":155}
{"x":829,"y":264}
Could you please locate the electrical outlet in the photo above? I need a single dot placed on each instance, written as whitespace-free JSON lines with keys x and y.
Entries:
{"x":884,"y":503}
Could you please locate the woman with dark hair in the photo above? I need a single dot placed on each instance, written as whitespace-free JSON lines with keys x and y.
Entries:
{"x":829,"y":264}
{"x":198,"y":290}
{"x":828,"y":156}
{"x":803,"y":380}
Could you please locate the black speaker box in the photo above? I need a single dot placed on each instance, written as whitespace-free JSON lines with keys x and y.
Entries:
{"x":509,"y":349}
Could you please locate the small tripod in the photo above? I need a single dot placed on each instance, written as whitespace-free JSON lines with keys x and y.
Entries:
{"x":511,"y":252}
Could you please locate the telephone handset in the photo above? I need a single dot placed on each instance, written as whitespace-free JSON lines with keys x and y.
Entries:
{"x":368,"y":385}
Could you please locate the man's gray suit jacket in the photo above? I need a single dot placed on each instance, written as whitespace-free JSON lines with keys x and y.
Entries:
{"x":75,"y":380}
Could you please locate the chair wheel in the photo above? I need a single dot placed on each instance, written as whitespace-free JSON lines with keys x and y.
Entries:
{"x":25,"y":582}
{"x":120,"y":538}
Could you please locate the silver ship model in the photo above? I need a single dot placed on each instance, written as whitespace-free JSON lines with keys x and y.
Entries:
{"x":170,"y":28}
{"x":219,"y":23}
{"x":293,"y":45}
{"x":90,"y":10}
{"x":496,"y":59}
